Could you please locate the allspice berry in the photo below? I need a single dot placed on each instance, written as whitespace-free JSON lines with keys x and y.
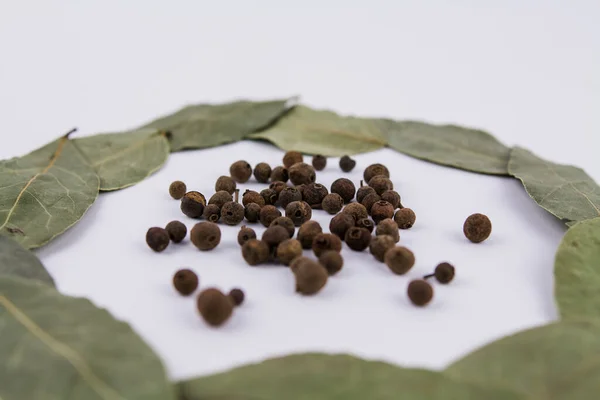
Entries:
{"x":405,"y":218}
{"x":285,"y":222}
{"x":420,"y":292}
{"x":374,"y":170}
{"x":363,"y":191}
{"x":225,"y":183}
{"x":380,"y":211}
{"x":380,"y":245}
{"x":302,"y":173}
{"x":307,"y":233}
{"x":444,"y":273}
{"x":252,"y":212}
{"x":369,"y":200}
{"x":268,"y":214}
{"x":177,"y":189}
{"x":366,"y":223}
{"x":340,"y":224}
{"x":326,"y":241}
{"x":157,"y":239}
{"x":240,"y":171}
{"x":288,"y":195}
{"x":214,"y":306}
{"x":332,"y":203}
{"x":345,"y":188}
{"x":237,"y":296}
{"x":358,"y":239}
{"x":176,"y":230}
{"x":477,"y":228}
{"x":250,"y":196}
{"x":262,"y":172}
{"x":288,"y":250}
{"x":319,"y":162}
{"x":205,"y":235}
{"x":332,"y":261}
{"x":277,"y":186}
{"x":292,"y":157}
{"x":270,"y":196}
{"x":212,"y":213}
{"x":274,"y":235}
{"x":310,"y":276}
{"x":185,"y":281}
{"x":192,"y":204}
{"x":347,"y":164}
{"x":399,"y":260}
{"x":392,"y":197}
{"x":280,"y":174}
{"x":388,"y":227}
{"x":299,"y":212}
{"x":220,"y":198}
{"x":245,"y":234}
{"x":356,"y":210}
{"x":232,"y":213}
{"x":314,"y":193}
{"x":255,"y":252}
{"x":380,"y":183}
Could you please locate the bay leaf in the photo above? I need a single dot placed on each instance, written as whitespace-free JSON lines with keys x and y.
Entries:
{"x":61,"y":347}
{"x":17,"y":261}
{"x":125,"y":158}
{"x":45,"y":192}
{"x":207,"y":125}
{"x":323,"y":132}
{"x":565,"y":191}
{"x":320,"y":376}
{"x":550,"y":362}
{"x":451,"y":145}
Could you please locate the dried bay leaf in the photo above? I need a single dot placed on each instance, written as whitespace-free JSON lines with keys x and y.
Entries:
{"x":320,"y":376}
{"x":207,"y":125}
{"x":17,"y":261}
{"x":565,"y":191}
{"x":60,"y":347}
{"x":45,"y":192}
{"x":126,"y":158}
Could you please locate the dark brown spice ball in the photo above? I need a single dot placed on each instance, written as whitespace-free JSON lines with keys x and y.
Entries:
{"x":205,"y":235}
{"x":255,"y":252}
{"x":176,"y":230}
{"x":374,"y":170}
{"x":252,"y":212}
{"x":262,"y":172}
{"x":285,"y":222}
{"x":381,"y":210}
{"x":363,"y":191}
{"x":288,"y":195}
{"x":356,"y":210}
{"x":444,"y":273}
{"x":240,"y":171}
{"x":250,"y":196}
{"x":299,"y":212}
{"x":212,"y":213}
{"x":185,"y":281}
{"x":157,"y":239}
{"x":280,"y":174}
{"x":340,"y":224}
{"x":347,"y":164}
{"x":220,"y":198}
{"x":288,"y":250}
{"x":307,"y":233}
{"x":369,"y":200}
{"x":326,"y":241}
{"x":477,"y":228}
{"x":392,"y":197}
{"x":245,"y":234}
{"x":214,"y":306}
{"x":300,"y":188}
{"x":268,"y":214}
{"x":302,"y":173}
{"x":345,"y":188}
{"x":332,"y":203}
{"x":232,"y":213}
{"x":332,"y":261}
{"x":292,"y":157}
{"x":270,"y":196}
{"x":420,"y":292}
{"x":177,"y":190}
{"x":274,"y":235}
{"x":314,"y":193}
{"x":405,"y":218}
{"x":366,"y":223}
{"x":319,"y":162}
{"x":277,"y":186}
{"x":380,"y":183}
{"x":225,"y":183}
{"x":388,"y":227}
{"x":192,"y":204}
{"x":399,"y":260}
{"x":237,"y":296}
{"x":379,"y":245}
{"x":357,"y":239}
{"x":310,"y":276}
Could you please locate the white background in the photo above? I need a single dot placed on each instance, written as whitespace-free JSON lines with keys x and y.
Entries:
{"x":527,"y":71}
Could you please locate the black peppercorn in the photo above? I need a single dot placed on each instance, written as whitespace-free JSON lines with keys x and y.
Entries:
{"x":214,"y":306}
{"x":366,"y":223}
{"x":225,"y":183}
{"x":374,"y":170}
{"x":299,"y":212}
{"x":192,"y":204}
{"x":340,"y":224}
{"x":292,"y":157}
{"x":363,"y":191}
{"x":319,"y":162}
{"x":332,"y":261}
{"x":356,"y":210}
{"x":369,"y":200}
{"x":176,"y":230}
{"x":268,"y":214}
{"x":332,"y":203}
{"x":277,"y":186}
{"x":205,"y":235}
{"x":212,"y":213}
{"x":262,"y":172}
{"x":420,"y":292}
{"x":185,"y":281}
{"x":347,"y":164}
{"x":310,"y":276}
{"x":288,"y":250}
{"x":274,"y":235}
{"x":157,"y":239}
{"x":255,"y":252}
{"x":288,"y":195}
{"x":399,"y":260}
{"x":345,"y":188}
{"x":380,"y":245}
{"x":240,"y":171}
{"x":177,"y":190}
{"x":444,"y":273}
{"x":302,"y":173}
{"x":232,"y":213}
{"x":280,"y":174}
{"x":270,"y":196}
{"x":237,"y":296}
{"x":220,"y":198}
{"x":285,"y":222}
{"x":388,"y":227}
{"x":252,"y":212}
{"x":357,"y":239}
{"x":307,"y":233}
{"x":245,"y":234}
{"x":477,"y":228}
{"x":381,"y":210}
{"x":313,"y":194}
{"x":250,"y":196}
{"x":326,"y":241}
{"x":405,"y":218}
{"x":392,"y":197}
{"x":380,"y":183}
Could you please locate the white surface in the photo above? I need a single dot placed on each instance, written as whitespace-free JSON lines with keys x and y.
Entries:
{"x":526,"y":71}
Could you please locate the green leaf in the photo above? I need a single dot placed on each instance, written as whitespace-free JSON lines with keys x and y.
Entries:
{"x":126,"y":158}
{"x":207,"y":125}
{"x":60,"y":347}
{"x":454,"y":146}
{"x":551,"y":362}
{"x":565,"y":191}
{"x":323,"y":132}
{"x":17,"y":261}
{"x":343,"y":377}
{"x":45,"y":192}
{"x":577,"y":271}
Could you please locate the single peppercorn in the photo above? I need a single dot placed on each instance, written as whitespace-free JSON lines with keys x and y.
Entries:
{"x":340,"y":224}
{"x":288,"y":195}
{"x":366,"y":223}
{"x":443,"y":273}
{"x":245,"y":234}
{"x":380,"y":183}
{"x":326,"y":241}
{"x":262,"y":172}
{"x":310,"y":276}
{"x":299,"y":212}
{"x":176,"y":230}
{"x":319,"y":162}
{"x":345,"y":188}
{"x":214,"y":306}
{"x":220,"y":198}
{"x":363,"y":191}
{"x":277,"y":186}
{"x":250,"y":196}
{"x":270,"y":196}
{"x":232,"y":213}
{"x":332,"y":203}
{"x":192,"y":204}
{"x":268,"y":214}
{"x":356,"y":210}
{"x":292,"y":157}
{"x":240,"y":171}
{"x":274,"y":235}
{"x":280,"y":174}
{"x":332,"y":261}
{"x":225,"y":183}
{"x":405,"y":218}
{"x":288,"y":250}
{"x":388,"y":227}
{"x":399,"y":260}
{"x":347,"y":164}
{"x":307,"y":233}
{"x":381,"y":210}
{"x":212,"y":213}
{"x":205,"y":235}
{"x":374,"y":170}
{"x":157,"y":239}
{"x":420,"y":292}
{"x":357,"y":239}
{"x":237,"y":296}
{"x":255,"y":252}
{"x":185,"y":281}
{"x":477,"y":228}
{"x":252,"y":212}
{"x":285,"y":222}
{"x":177,"y":190}
{"x":369,"y":200}
{"x":392,"y":197}
{"x":314,"y":193}
{"x":302,"y":173}
{"x":380,"y":245}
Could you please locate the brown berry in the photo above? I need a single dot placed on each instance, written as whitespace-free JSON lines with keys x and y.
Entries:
{"x":232,"y":213}
{"x":185,"y":281}
{"x":262,"y":172}
{"x":405,"y":218}
{"x":240,"y":171}
{"x":381,"y":210}
{"x":380,"y":183}
{"x":268,"y":214}
{"x":307,"y":233}
{"x":212,"y":213}
{"x":444,"y":273}
{"x":292,"y":157}
{"x":225,"y":183}
{"x":245,"y":234}
{"x":205,"y":235}
{"x":214,"y":306}
{"x":270,"y":196}
{"x":252,"y":212}
{"x":237,"y":296}
{"x":345,"y":188}
{"x":277,"y":186}
{"x":347,"y":164}
{"x":288,"y":250}
{"x":255,"y":252}
{"x":176,"y":230}
{"x":220,"y":198}
{"x":399,"y":260}
{"x":356,"y":210}
{"x":326,"y":241}
{"x":280,"y":174}
{"x":157,"y":239}
{"x":379,"y":245}
{"x":177,"y":190}
{"x":319,"y":162}
{"x":192,"y":204}
{"x":332,"y":261}
{"x":310,"y":276}
{"x":250,"y":196}
{"x":274,"y":235}
{"x":477,"y":228}
{"x":332,"y":203}
{"x":340,"y":224}
{"x":314,"y":193}
{"x":374,"y":170}
{"x":302,"y":173}
{"x":285,"y":222}
{"x":369,"y":200}
{"x":299,"y":212}
{"x":288,"y":195}
{"x":357,"y":239}
{"x":388,"y":227}
{"x":363,"y":191}
{"x":420,"y":292}
{"x":366,"y":223}
{"x":392,"y":197}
